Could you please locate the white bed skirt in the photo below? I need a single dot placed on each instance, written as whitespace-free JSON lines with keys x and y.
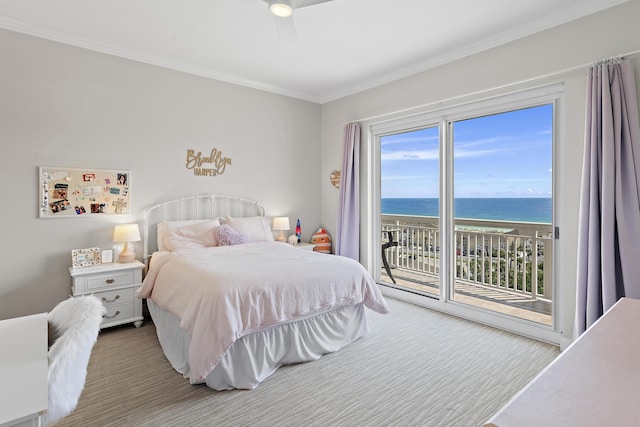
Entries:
{"x":255,"y":357}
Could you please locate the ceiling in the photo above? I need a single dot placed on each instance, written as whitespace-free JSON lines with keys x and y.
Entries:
{"x":341,"y":47}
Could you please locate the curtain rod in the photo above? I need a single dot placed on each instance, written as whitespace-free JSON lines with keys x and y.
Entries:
{"x":608,"y":61}
{"x":480,"y":92}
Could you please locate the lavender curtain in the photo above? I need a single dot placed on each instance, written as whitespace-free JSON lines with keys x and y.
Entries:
{"x":348,"y":234}
{"x":609,"y":226}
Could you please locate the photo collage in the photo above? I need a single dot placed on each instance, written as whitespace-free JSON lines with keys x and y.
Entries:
{"x":73,"y":192}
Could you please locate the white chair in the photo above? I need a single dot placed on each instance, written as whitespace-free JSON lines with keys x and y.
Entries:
{"x":77,"y":322}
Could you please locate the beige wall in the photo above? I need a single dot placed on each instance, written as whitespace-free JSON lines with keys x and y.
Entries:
{"x":64,"y":106}
{"x":69,"y":107}
{"x":556,"y":55}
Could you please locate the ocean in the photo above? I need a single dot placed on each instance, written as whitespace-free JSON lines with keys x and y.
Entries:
{"x":502,"y":209}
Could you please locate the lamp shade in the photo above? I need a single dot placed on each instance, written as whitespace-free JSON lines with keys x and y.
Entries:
{"x":281,"y":223}
{"x":126,"y":233}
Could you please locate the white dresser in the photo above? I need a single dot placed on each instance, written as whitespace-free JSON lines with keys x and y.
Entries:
{"x":594,"y":382}
{"x":23,"y":371}
{"x":115,"y":285}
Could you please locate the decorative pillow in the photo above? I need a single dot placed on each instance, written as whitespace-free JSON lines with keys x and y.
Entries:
{"x":227,"y":236}
{"x":187,"y":234}
{"x":322,"y":241}
{"x":256,"y":228}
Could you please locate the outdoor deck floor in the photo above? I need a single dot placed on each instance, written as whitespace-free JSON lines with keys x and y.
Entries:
{"x":519,"y":306}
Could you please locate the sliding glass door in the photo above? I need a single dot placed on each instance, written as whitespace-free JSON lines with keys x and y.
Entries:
{"x":466,"y":207}
{"x":502,"y":192}
{"x":410,"y":204}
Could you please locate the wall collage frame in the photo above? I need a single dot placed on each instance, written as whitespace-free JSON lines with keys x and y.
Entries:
{"x":70,"y":192}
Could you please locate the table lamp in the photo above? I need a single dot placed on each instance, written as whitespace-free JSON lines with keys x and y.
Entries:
{"x":126,"y":233}
{"x":280,"y":224}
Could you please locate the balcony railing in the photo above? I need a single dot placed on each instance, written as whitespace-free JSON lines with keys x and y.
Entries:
{"x":500,"y":255}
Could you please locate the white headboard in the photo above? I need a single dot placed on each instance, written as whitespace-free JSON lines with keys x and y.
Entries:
{"x":205,"y":206}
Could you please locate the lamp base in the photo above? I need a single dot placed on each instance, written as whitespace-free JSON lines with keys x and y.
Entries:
{"x":123,"y":258}
{"x":281,"y":237}
{"x":127,"y":254}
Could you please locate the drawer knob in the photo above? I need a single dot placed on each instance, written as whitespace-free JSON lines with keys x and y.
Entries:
{"x":117,"y":297}
{"x":110,"y":281}
{"x":116,"y":314}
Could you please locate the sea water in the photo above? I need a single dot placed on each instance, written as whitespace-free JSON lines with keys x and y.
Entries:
{"x":530,"y":209}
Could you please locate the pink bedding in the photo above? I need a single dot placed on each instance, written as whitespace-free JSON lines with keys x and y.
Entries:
{"x":223,"y":293}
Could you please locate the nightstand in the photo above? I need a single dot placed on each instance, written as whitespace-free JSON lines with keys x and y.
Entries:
{"x":304,"y":246}
{"x":115,"y":285}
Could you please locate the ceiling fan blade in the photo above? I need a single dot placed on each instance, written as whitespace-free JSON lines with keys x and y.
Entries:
{"x":286,"y":30}
{"x":297,"y":4}
{"x":284,"y":24}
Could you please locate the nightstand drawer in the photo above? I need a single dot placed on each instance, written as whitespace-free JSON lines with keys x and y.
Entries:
{"x":117,"y":296}
{"x":105,"y":280}
{"x":117,"y":313}
{"x":115,"y":285}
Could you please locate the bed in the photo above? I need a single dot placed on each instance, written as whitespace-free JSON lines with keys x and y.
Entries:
{"x":231,"y":305}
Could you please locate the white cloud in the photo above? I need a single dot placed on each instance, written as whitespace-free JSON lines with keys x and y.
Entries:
{"x":410,"y":155}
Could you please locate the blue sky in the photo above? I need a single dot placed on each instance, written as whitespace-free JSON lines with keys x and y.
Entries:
{"x":502,"y":155}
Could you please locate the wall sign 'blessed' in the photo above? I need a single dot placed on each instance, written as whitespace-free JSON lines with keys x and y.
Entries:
{"x":212,"y":165}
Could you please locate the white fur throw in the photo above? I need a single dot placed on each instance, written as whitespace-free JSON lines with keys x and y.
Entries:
{"x":77,"y":321}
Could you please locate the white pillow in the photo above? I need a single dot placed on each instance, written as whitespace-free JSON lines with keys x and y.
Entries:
{"x":169,"y":227}
{"x":199,"y":235}
{"x":256,"y":228}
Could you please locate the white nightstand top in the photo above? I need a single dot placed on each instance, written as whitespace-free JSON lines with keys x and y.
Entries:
{"x":304,"y":246}
{"x":105,"y":268}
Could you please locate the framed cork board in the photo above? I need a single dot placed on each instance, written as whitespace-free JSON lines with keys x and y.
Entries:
{"x":70,"y":193}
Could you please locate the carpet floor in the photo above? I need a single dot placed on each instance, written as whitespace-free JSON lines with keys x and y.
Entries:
{"x":416,"y":367}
